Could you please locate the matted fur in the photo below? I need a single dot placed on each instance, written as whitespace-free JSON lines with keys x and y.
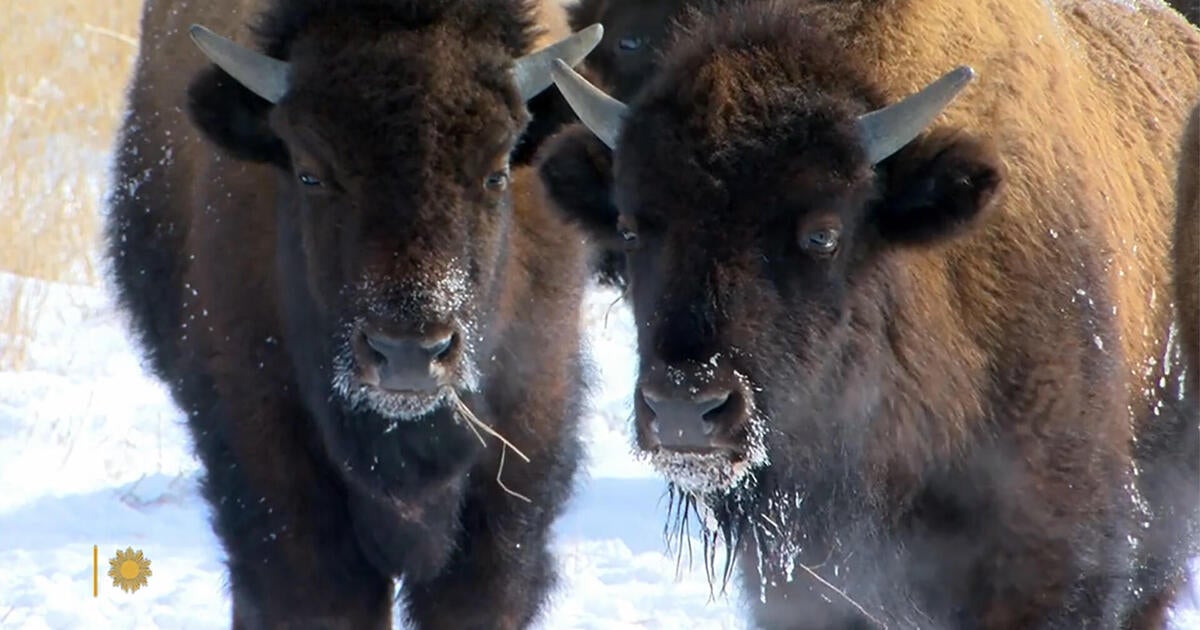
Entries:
{"x":242,"y":284}
{"x":1003,"y":441}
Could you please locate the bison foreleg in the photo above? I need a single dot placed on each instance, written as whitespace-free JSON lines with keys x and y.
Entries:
{"x":281,"y":516}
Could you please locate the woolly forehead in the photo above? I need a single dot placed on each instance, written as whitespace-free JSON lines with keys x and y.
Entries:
{"x":749,"y":113}
{"x":751,"y":149}
{"x":413,"y":90}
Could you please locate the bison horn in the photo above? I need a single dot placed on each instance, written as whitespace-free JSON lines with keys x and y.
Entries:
{"x":601,"y":113}
{"x":885,"y":131}
{"x":532,"y":72}
{"x":263,"y":75}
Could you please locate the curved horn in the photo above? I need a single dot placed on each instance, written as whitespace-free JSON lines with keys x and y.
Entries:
{"x":532,"y":72}
{"x":599,"y":112}
{"x":263,"y":75}
{"x":885,"y":131}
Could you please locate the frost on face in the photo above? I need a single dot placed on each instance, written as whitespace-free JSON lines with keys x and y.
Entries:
{"x":704,"y":475}
{"x":444,"y":296}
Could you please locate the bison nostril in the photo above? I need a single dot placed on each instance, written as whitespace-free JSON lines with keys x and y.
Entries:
{"x":439,"y":348}
{"x":376,"y":352}
{"x":711,"y":407}
{"x":688,"y":421}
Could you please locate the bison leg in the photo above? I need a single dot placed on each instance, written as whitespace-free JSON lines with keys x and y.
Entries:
{"x":280,"y":514}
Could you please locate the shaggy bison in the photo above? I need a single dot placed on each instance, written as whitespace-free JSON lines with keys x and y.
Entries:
{"x":354,"y":296}
{"x":898,"y":271}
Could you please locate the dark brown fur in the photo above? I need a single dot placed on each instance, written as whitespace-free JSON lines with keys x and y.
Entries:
{"x":1187,"y":245}
{"x":949,"y":396}
{"x":1189,"y":9}
{"x":241,"y":282}
{"x":635,"y":34}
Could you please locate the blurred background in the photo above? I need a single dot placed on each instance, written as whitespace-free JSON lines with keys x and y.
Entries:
{"x":63,"y":67}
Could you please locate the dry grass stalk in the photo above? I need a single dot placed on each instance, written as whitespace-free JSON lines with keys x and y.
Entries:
{"x":61,"y":94}
{"x":475,"y":424}
{"x":811,"y":571}
{"x":843,"y":595}
{"x":607,"y":311}
{"x":462,"y":408}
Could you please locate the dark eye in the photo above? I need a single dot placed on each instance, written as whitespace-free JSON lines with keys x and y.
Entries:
{"x":496,"y":182}
{"x":630,"y":43}
{"x":822,"y":241}
{"x":629,"y":236}
{"x":308,"y":179}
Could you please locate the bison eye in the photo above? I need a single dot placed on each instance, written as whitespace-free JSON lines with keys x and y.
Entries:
{"x":629,"y":236}
{"x":629,"y":43}
{"x":496,"y":182}
{"x":308,"y":179}
{"x":823,"y":241}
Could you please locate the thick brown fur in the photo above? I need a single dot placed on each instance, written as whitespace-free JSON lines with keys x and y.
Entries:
{"x":241,"y":282}
{"x":635,"y":34}
{"x":975,"y":406}
{"x":1187,"y":245}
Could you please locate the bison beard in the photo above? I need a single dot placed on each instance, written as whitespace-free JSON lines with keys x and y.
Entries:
{"x":332,"y":253}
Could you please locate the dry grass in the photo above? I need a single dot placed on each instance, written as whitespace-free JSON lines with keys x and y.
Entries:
{"x":62,"y":82}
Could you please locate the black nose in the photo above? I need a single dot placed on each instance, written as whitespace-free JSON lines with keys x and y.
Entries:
{"x":687,"y":422}
{"x":405,"y":363}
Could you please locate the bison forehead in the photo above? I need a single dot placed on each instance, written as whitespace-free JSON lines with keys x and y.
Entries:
{"x":673,"y":166}
{"x":401,"y":93}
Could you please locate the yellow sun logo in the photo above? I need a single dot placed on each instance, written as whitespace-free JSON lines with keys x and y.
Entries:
{"x":129,"y":569}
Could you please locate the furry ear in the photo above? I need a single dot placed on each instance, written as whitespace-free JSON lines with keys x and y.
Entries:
{"x":234,"y":118}
{"x":576,"y":169}
{"x":937,"y":187}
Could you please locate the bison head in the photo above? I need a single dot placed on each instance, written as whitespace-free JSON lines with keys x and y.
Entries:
{"x":635,"y":32}
{"x":391,"y":143}
{"x":764,"y":205}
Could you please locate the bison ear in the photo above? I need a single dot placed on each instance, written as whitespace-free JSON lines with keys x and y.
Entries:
{"x":576,"y":170}
{"x":938,"y":186}
{"x":234,"y":118}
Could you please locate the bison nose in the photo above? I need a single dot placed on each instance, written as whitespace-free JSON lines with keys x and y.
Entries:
{"x":687,"y":422}
{"x":405,"y":363}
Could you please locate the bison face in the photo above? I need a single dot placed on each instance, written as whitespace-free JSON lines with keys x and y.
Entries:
{"x":394,"y":202}
{"x":759,"y":253}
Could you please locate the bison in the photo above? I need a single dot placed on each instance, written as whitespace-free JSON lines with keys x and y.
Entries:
{"x":894,"y":268}
{"x":365,"y":308}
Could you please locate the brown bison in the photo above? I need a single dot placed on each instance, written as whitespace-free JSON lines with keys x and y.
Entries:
{"x":915,"y":374}
{"x":327,"y":254}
